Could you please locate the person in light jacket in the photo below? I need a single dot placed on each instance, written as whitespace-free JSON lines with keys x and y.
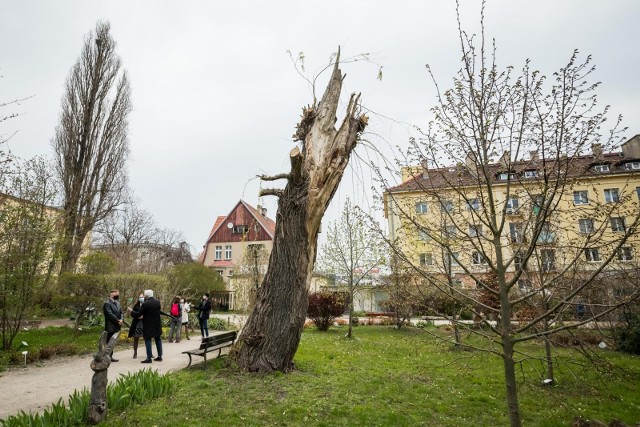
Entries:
{"x":186,"y":308}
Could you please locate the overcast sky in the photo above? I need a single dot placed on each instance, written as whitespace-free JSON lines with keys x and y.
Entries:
{"x":216,"y":97}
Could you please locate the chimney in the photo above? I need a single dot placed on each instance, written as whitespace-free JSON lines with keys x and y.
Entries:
{"x":596,"y":150}
{"x":533,"y":155}
{"x":631,"y":148}
{"x":470,"y":161}
{"x":425,"y":168}
{"x":263,"y":211}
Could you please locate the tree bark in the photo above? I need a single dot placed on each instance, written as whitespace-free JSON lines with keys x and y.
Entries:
{"x":272,"y":333}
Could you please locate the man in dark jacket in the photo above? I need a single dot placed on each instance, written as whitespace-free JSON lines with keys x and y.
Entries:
{"x":112,"y":316}
{"x":203,"y":317}
{"x":152,"y":327}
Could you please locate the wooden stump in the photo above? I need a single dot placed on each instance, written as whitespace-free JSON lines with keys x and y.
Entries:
{"x":100,"y":364}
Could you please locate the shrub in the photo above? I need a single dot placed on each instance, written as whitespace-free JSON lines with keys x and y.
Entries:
{"x":324,"y":307}
{"x":216,"y":324}
{"x":627,"y":337}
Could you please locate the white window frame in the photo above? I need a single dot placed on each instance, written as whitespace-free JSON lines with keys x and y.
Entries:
{"x":513,"y":204}
{"x":454,"y":257}
{"x":632,"y":166}
{"x":218,"y":253}
{"x":531,"y":173}
{"x":624,"y":253}
{"x":592,"y":254}
{"x":601,"y":168}
{"x":422,"y":207}
{"x":516,"y":232}
{"x":477,"y":258}
{"x":227,"y":252}
{"x":446,"y":206}
{"x":617,"y":224}
{"x":578,"y":198}
{"x":474,"y":204}
{"x":475,"y":230}
{"x":611,"y":195}
{"x":426,"y":259}
{"x":548,"y":262}
{"x":585,"y":225}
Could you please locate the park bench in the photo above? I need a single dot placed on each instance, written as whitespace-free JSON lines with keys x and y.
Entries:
{"x":212,"y":343}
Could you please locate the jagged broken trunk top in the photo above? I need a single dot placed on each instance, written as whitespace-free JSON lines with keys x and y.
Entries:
{"x":272,"y":333}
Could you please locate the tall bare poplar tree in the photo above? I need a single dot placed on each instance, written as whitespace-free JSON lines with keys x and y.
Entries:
{"x":90,"y":144}
{"x":271,"y":336}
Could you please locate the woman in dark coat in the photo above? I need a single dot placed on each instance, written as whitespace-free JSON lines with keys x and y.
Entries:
{"x":203,"y":317}
{"x":136,"y":328}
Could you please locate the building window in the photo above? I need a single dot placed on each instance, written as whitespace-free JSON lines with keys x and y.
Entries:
{"x":518,"y":262}
{"x":424,"y":235}
{"x":426,"y":259}
{"x":592,"y":254}
{"x":220,"y":272}
{"x":475,"y":230}
{"x":585,"y":225}
{"x":516,"y":232}
{"x":450,"y":231}
{"x":601,"y":168}
{"x":617,"y":224}
{"x":230,"y":273}
{"x":537,"y":202}
{"x":452,"y":259}
{"x":446,"y":206}
{"x":478,"y":258}
{"x":218,"y":254}
{"x":580,"y":197}
{"x":624,"y":254}
{"x":548,"y":258}
{"x":546,"y":234}
{"x":531,"y":174}
{"x":611,"y":195}
{"x":506,"y":175}
{"x":227,"y":252}
{"x":473,"y":204}
{"x":240,"y":229}
{"x":638,"y":192}
{"x":525,"y":285}
{"x":512,"y":205}
{"x":421,"y":207}
{"x":632,"y":165}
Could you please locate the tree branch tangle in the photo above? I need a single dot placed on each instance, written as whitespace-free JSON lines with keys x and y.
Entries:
{"x":271,"y":336}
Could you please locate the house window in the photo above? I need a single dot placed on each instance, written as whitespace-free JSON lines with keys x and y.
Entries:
{"x":537,"y":202}
{"x":617,"y":224}
{"x":421,"y":207}
{"x":450,"y":231}
{"x":546,"y":235}
{"x":638,"y":192}
{"x":518,"y":262}
{"x":611,"y":195}
{"x":227,"y":252}
{"x":531,"y":174}
{"x":218,"y":254}
{"x":220,"y":272}
{"x":512,"y":204}
{"x":548,"y":258}
{"x":475,"y":230}
{"x":585,"y":225}
{"x":506,"y":175}
{"x":230,"y":273}
{"x":446,"y":206}
{"x":624,"y":254}
{"x":632,"y":165}
{"x":601,"y":168}
{"x":478,"y":258}
{"x":580,"y":197}
{"x":525,"y":285}
{"x":592,"y":254}
{"x":473,"y":204}
{"x":452,"y":259}
{"x":426,"y":259}
{"x":424,"y":235}
{"x":240,"y":229}
{"x":516,"y":232}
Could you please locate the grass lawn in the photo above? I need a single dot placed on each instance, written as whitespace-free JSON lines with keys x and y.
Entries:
{"x":387,"y":377}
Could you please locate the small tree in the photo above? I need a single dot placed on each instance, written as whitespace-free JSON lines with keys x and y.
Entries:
{"x":82,"y":293}
{"x":193,"y":279}
{"x":98,"y":263}
{"x":351,"y":253}
{"x":324,"y":308}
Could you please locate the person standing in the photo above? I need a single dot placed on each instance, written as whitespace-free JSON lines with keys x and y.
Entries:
{"x":150,"y":313}
{"x":204,"y":309}
{"x":186,"y":308}
{"x":136,"y":328}
{"x":112,"y":316}
{"x":176,"y":319}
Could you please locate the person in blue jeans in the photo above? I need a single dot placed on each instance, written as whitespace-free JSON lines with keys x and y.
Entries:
{"x":204,"y":309}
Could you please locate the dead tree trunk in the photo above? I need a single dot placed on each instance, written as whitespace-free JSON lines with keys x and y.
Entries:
{"x":100,"y":364}
{"x":272,"y":333}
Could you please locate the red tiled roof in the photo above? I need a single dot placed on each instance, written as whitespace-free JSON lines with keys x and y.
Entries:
{"x":267,"y":223}
{"x":217,"y":224}
{"x":221,"y":263}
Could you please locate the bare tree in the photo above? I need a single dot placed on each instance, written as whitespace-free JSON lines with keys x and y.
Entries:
{"x":351,"y":253}
{"x":522,"y":231}
{"x":90,"y":143}
{"x":272,"y":333}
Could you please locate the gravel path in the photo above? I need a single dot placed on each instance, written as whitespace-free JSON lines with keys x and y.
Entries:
{"x":36,"y":386}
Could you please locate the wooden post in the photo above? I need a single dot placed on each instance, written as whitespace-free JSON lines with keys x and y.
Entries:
{"x":100,"y":364}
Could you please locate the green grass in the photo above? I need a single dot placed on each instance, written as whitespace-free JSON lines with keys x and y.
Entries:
{"x":387,"y":377}
{"x":49,"y":342}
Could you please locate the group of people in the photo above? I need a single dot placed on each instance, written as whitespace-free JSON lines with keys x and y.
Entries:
{"x":146,"y":321}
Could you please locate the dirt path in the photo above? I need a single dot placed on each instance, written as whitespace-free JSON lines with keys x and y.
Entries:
{"x":34,"y":387}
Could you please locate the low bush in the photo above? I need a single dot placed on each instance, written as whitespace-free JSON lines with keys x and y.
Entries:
{"x":217,"y":324}
{"x":627,"y":337}
{"x":324,"y":307}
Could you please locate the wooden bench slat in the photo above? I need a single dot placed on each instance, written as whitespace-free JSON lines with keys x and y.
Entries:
{"x":212,"y":343}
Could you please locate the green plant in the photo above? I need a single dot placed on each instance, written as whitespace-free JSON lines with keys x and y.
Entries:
{"x":627,"y":337}
{"x":324,"y":307}
{"x":217,"y":324}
